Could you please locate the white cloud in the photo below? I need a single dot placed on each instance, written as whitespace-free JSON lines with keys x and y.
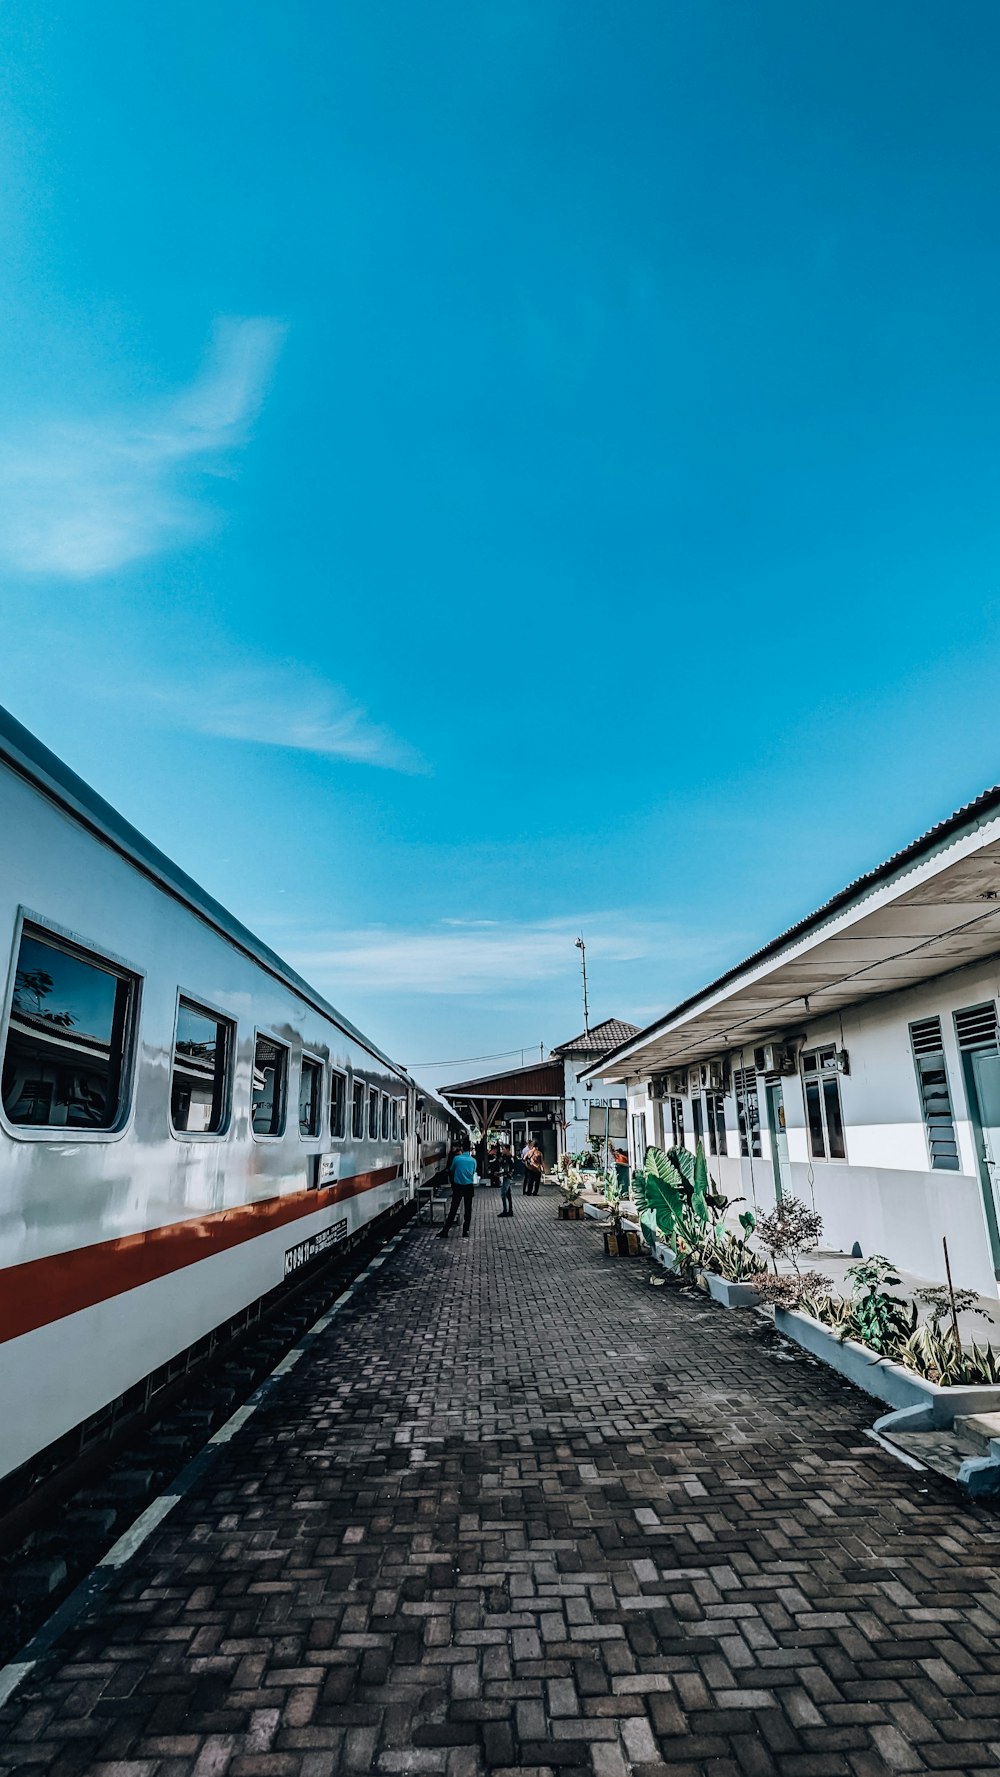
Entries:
{"x":448,"y":958}
{"x":80,"y":497}
{"x":284,"y":706}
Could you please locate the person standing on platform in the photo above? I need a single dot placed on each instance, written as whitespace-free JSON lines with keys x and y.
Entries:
{"x":462,"y":1173}
{"x":505,"y":1172}
{"x":534,"y":1166}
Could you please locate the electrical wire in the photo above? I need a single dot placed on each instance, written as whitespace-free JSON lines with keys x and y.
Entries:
{"x":459,"y":1060}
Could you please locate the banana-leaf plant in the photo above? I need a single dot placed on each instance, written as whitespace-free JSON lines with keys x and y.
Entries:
{"x":732,"y":1256}
{"x":658,"y":1194}
{"x":677,"y":1202}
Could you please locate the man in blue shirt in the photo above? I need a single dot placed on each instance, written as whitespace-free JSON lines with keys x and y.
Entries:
{"x":462,"y":1173}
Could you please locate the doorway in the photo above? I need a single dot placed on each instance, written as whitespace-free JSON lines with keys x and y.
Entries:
{"x":779,"y":1141}
{"x":982,"y":1084}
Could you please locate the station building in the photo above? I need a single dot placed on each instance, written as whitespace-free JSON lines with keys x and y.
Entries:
{"x":854,"y":1061}
{"x":591,"y":1104}
{"x":545,"y":1101}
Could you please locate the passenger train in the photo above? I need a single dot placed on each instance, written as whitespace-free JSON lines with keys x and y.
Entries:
{"x":184,"y":1121}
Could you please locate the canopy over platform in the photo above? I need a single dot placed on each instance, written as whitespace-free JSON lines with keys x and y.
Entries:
{"x":926,"y":910}
{"x":522,"y":1093}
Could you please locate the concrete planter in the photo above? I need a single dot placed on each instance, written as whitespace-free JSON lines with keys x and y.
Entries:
{"x":665,"y":1256}
{"x":731,"y":1295}
{"x":920,"y":1405}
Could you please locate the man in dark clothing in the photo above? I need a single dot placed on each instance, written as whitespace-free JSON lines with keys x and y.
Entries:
{"x":462,"y":1173}
{"x":505,"y":1170}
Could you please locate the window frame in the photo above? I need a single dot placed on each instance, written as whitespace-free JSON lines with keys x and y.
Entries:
{"x":821,"y":1076}
{"x":715,"y":1123}
{"x":394,"y":1122}
{"x":385,"y":1120}
{"x":338,"y":1073}
{"x":749,"y":1131}
{"x":198,"y":1004}
{"x":274,"y":1134}
{"x":308,"y":1058}
{"x":934,"y":1162}
{"x":77,"y":945}
{"x":373,"y":1113}
{"x":676,"y":1104}
{"x":359,"y":1087}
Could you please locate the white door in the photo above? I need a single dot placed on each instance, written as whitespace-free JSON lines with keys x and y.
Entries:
{"x":779,"y":1141}
{"x":986,"y":1076}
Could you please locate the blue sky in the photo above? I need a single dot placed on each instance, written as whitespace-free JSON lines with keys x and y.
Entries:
{"x":470,"y":474}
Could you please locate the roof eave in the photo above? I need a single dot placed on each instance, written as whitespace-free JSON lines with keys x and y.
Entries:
{"x":963,"y":823}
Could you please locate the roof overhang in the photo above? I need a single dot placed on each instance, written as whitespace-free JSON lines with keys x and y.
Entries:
{"x":934,"y":914}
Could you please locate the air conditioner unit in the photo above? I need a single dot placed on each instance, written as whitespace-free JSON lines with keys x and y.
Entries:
{"x":657,"y":1087}
{"x":774,"y":1058}
{"x":679,"y":1081}
{"x":716,"y":1071}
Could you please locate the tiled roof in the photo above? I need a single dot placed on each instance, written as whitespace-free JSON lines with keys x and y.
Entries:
{"x":599,"y":1039}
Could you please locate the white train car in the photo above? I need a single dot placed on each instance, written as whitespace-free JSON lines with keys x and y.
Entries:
{"x":437,"y":1128}
{"x":184,"y":1121}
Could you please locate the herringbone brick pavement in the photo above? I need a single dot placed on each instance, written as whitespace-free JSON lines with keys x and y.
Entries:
{"x":520,"y":1511}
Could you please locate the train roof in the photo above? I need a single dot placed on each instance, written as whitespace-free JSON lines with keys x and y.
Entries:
{"x":26,"y":755}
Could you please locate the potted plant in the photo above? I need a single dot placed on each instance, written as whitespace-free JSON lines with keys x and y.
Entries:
{"x":678,"y":1206}
{"x":571,"y":1185}
{"x":732,"y":1268}
{"x":619,"y":1242}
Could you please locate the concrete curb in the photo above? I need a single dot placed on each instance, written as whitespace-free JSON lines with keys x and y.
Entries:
{"x":919,"y":1405}
{"x":731,"y":1295}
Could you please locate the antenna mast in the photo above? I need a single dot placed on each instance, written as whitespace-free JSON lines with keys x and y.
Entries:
{"x":582,"y":948}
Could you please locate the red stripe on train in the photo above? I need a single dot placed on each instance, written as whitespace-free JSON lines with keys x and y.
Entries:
{"x":43,"y":1290}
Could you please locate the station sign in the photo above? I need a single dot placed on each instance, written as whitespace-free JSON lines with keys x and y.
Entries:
{"x":608,"y":1120}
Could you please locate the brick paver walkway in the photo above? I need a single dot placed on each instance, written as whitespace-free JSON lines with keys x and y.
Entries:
{"x":521,"y":1510}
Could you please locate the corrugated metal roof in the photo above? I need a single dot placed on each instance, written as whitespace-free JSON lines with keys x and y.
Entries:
{"x":538,"y":1079}
{"x":986,"y":805}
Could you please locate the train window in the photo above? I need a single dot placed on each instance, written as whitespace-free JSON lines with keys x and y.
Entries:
{"x":199,"y":1083}
{"x":372,"y":1114}
{"x":68,"y":1038}
{"x":338,"y":1103}
{"x":358,"y":1110}
{"x":270,"y":1082}
{"x":310,"y":1096}
{"x":385,"y":1117}
{"x":395,"y":1119}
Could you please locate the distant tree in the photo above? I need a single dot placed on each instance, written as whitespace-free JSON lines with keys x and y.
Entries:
{"x":38,"y":984}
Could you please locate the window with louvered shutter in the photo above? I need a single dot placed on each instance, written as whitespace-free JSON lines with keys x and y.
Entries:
{"x":977,"y":1027}
{"x":935,"y":1095}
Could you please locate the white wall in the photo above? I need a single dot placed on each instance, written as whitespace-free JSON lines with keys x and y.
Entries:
{"x":885,"y":1196}
{"x":579,"y":1095}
